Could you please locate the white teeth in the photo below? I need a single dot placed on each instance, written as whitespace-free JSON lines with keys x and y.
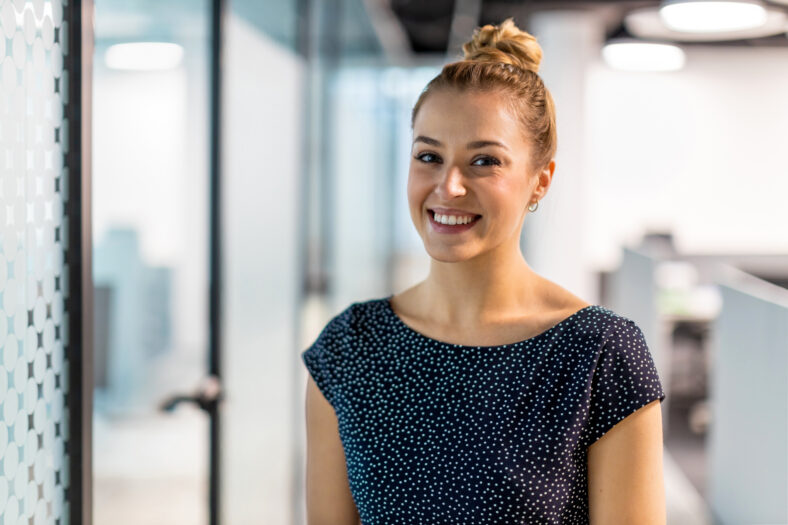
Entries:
{"x":452,"y":219}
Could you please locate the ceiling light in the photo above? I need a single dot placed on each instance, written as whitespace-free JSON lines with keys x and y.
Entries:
{"x":143,"y":56}
{"x":633,"y":55}
{"x":646,"y":23}
{"x":710,"y":16}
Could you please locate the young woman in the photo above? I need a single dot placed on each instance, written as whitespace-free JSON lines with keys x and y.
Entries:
{"x":485,"y":393}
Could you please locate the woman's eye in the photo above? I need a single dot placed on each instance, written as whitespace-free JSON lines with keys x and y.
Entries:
{"x":421,"y":157}
{"x":425,"y":157}
{"x":493,"y":160}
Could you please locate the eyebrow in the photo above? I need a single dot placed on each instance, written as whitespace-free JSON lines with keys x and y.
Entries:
{"x":471,"y":145}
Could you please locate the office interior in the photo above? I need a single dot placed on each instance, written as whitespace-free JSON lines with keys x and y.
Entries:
{"x":247,"y":169}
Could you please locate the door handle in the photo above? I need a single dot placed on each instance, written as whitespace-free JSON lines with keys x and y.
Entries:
{"x":206,"y":396}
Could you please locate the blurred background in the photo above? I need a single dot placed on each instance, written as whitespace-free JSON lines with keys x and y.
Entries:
{"x":667,"y":206}
{"x":249,"y":162}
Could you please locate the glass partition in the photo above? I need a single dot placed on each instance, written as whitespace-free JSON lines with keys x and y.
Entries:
{"x":37,"y":300}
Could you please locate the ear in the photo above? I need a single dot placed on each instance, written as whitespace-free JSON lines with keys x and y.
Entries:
{"x":545,"y":178}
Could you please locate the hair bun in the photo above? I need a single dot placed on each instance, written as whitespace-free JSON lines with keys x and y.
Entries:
{"x":505,"y":43}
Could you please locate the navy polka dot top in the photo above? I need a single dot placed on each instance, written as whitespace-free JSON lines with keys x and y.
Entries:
{"x":441,"y":433}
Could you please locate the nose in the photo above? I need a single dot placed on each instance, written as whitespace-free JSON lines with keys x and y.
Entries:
{"x":450,"y":185}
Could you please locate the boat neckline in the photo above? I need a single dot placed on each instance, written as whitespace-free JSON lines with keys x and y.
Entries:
{"x":398,"y":320}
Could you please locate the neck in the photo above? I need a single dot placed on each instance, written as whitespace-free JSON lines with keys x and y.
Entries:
{"x":479,"y":290}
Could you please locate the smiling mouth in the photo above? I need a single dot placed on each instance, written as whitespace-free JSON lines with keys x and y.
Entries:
{"x":432,"y":215}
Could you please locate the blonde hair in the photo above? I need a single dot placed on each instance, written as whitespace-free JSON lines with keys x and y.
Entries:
{"x":505,"y":58}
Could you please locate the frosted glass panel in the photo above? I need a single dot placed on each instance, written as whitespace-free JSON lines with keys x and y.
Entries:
{"x":34,"y":255}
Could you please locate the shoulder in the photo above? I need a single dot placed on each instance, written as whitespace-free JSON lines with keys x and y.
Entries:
{"x":354,"y":319}
{"x":593,"y":324}
{"x":598,"y":333}
{"x":337,"y":347}
{"x":607,"y":325}
{"x":339,"y":327}
{"x":624,"y":333}
{"x":344,"y":320}
{"x":369,"y":315}
{"x":335,"y":333}
{"x":618,"y":339}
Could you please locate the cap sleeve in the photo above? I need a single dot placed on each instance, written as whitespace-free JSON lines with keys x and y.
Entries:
{"x":624,"y":379}
{"x":323,"y":358}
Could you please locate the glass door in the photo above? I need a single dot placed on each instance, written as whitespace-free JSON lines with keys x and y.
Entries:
{"x":151,"y":158}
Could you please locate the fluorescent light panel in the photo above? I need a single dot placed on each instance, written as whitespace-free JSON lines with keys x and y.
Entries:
{"x":643,"y":56}
{"x":710,"y":16}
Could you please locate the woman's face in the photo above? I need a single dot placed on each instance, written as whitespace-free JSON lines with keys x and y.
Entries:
{"x":470,"y":157}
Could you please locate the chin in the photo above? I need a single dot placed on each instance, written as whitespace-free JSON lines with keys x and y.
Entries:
{"x":450,"y":254}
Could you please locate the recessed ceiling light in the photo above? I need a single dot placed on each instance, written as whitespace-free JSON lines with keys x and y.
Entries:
{"x":646,"y":23}
{"x":710,"y":16}
{"x":633,"y":55}
{"x":143,"y":56}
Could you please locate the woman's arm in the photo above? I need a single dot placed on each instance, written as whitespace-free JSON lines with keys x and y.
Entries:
{"x":625,"y":479}
{"x":328,"y":498}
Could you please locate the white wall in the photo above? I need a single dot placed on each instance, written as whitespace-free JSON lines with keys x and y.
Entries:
{"x":262,"y":156}
{"x":555,"y":237}
{"x":361,"y":160}
{"x":700,"y":150}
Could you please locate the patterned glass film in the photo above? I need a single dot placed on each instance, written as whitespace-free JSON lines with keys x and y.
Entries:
{"x":34,"y":288}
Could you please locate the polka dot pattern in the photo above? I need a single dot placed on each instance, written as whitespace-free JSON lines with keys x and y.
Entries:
{"x":439,"y":433}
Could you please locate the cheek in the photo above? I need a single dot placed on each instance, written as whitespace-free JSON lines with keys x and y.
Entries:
{"x":417,"y":190}
{"x":503,"y":198}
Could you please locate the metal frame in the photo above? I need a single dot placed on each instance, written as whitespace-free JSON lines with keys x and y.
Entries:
{"x":79,"y":257}
{"x":215,"y":251}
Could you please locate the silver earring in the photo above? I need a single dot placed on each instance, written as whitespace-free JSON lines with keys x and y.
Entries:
{"x":533,"y":206}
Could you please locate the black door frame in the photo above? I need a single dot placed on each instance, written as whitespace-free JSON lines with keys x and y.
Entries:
{"x":79,"y":398}
{"x":214,"y":264}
